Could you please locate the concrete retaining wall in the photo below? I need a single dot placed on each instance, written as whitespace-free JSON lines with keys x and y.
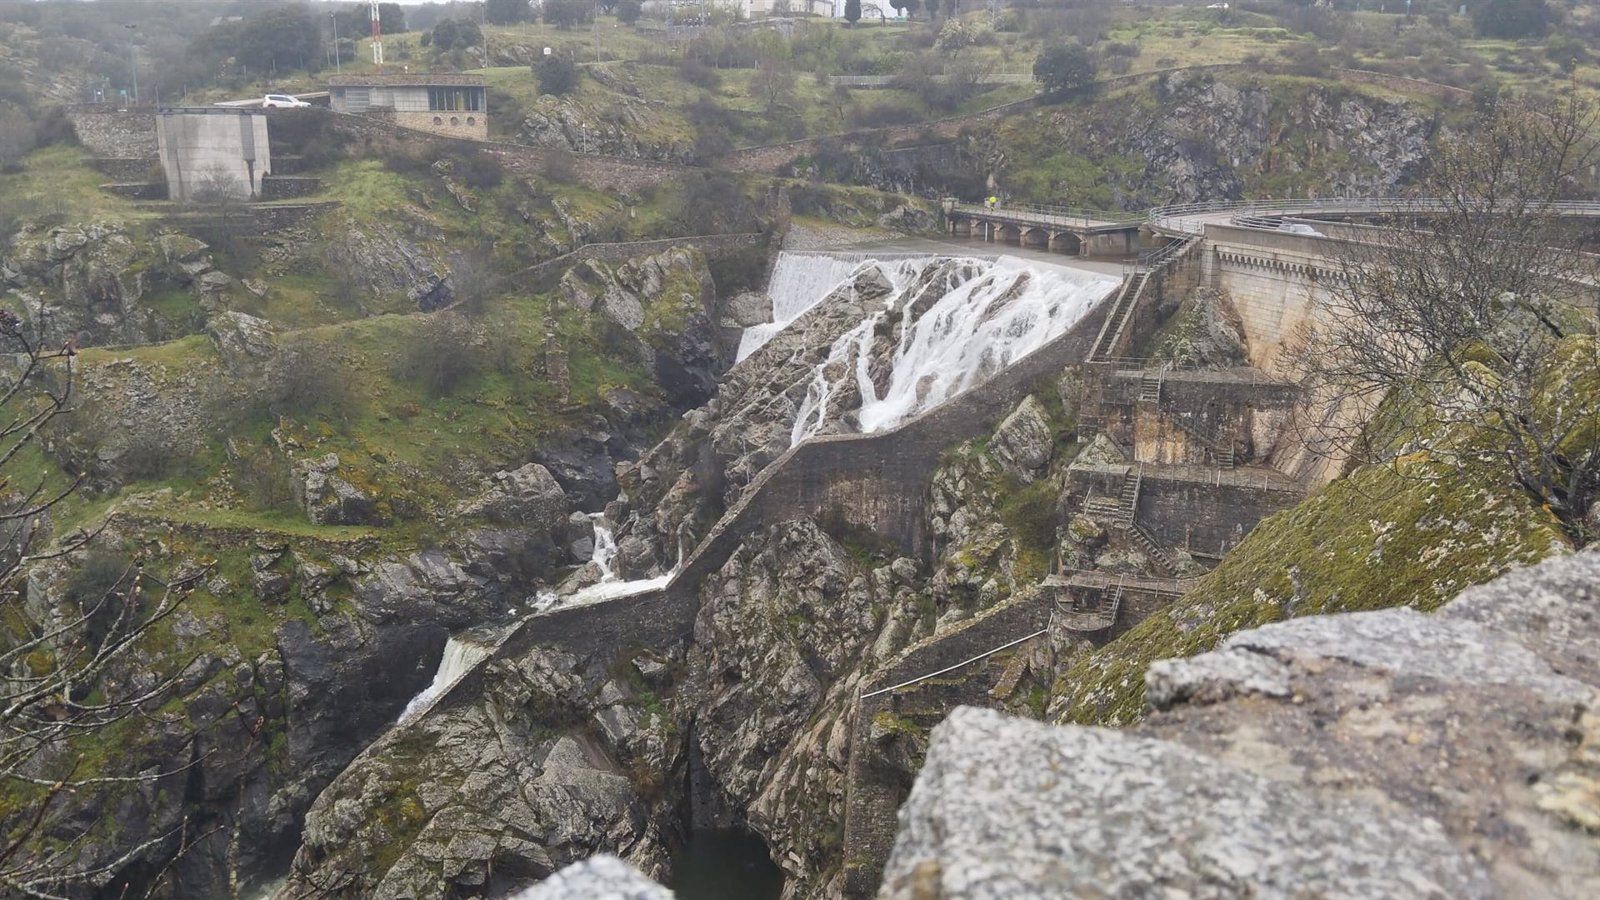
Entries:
{"x":213,"y":149}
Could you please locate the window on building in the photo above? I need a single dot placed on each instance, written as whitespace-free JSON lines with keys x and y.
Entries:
{"x":453,"y":99}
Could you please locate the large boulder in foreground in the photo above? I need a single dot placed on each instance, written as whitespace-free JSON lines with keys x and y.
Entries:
{"x":599,"y":876}
{"x":1384,"y":754}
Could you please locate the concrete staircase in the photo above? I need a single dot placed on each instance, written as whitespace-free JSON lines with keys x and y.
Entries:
{"x":1129,"y":498}
{"x":1162,"y":560}
{"x":1150,"y":388}
{"x":1116,"y":322}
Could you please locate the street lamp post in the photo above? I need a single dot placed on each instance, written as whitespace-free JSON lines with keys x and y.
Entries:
{"x":133,"y":62}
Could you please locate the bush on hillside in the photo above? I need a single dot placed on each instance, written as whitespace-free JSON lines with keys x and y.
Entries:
{"x":558,"y":75}
{"x":1064,"y":68}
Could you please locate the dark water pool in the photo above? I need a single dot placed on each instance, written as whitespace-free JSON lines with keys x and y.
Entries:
{"x":725,"y":864}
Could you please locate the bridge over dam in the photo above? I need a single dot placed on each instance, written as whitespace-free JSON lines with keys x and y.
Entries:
{"x":1186,"y":434}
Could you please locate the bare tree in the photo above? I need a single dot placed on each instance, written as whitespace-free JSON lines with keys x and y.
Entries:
{"x":60,"y":666}
{"x":1468,"y":320}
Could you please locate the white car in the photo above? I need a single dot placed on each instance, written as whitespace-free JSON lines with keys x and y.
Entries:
{"x":276,"y":101}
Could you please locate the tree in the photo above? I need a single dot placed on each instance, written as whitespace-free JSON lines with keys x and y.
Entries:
{"x":1511,"y":18}
{"x":279,"y":40}
{"x":508,"y":12}
{"x":933,"y":7}
{"x":1064,"y":68}
{"x":567,"y":13}
{"x":628,"y":11}
{"x":558,"y":75}
{"x":1471,"y":335}
{"x":909,"y":7}
{"x":454,"y":34}
{"x":444,"y":35}
{"x":67,"y":657}
{"x":852,"y":11}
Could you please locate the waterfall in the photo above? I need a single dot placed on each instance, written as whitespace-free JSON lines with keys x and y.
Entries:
{"x":605,"y":547}
{"x":990,"y":314}
{"x":799,"y":281}
{"x":460,"y":655}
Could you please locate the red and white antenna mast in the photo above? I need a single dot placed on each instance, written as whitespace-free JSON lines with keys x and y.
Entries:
{"x":377,"y":36}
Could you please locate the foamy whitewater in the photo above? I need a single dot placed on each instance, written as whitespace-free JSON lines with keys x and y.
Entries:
{"x":799,"y":282}
{"x":981,"y":325}
{"x":460,"y":655}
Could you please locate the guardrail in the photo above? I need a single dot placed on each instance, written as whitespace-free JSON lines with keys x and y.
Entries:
{"x":1043,"y":214}
{"x":1179,"y":217}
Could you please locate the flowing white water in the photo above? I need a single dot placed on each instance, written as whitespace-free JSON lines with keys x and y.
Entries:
{"x":605,"y":547}
{"x":799,"y":281}
{"x":460,"y":655}
{"x":990,"y":315}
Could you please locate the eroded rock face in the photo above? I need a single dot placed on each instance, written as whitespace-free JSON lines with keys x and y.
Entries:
{"x":95,"y":282}
{"x":1386,"y":754}
{"x":1024,"y":443}
{"x":785,"y":630}
{"x":328,"y":498}
{"x":559,"y":758}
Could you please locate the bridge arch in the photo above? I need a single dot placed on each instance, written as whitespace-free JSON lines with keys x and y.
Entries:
{"x":1065,"y":242}
{"x":1035,"y":237}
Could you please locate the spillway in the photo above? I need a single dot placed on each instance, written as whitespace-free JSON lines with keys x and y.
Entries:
{"x":799,"y":281}
{"x":987,"y":314}
{"x":461,"y":653}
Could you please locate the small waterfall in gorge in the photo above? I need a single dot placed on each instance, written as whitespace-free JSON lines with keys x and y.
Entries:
{"x":799,"y":281}
{"x":461,"y":653}
{"x":605,"y":547}
{"x":982,"y":323}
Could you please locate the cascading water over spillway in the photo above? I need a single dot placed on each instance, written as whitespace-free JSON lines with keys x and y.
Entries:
{"x":461,"y":653}
{"x":953,"y":324}
{"x":799,"y":282}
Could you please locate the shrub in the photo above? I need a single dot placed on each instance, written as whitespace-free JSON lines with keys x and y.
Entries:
{"x":628,"y":11}
{"x":1064,"y":68}
{"x":558,"y":75}
{"x":697,"y":73}
{"x":440,"y":357}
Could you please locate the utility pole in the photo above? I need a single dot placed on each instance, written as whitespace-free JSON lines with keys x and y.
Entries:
{"x":337,"y":68}
{"x":133,"y":62}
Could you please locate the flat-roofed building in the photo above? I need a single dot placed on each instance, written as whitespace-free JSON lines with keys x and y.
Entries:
{"x":447,"y":104}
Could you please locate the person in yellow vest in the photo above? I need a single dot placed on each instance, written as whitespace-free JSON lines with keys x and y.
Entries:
{"x":991,"y":202}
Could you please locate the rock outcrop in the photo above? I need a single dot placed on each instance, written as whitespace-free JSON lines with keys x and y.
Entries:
{"x":784,"y":633}
{"x":602,"y":876}
{"x":1388,"y":753}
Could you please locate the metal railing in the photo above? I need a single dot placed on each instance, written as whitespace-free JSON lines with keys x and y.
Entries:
{"x":1037,"y":214}
{"x":1180,"y":217}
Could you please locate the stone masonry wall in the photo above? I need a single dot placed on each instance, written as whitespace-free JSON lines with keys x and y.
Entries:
{"x":1206,"y":518}
{"x":116,"y":133}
